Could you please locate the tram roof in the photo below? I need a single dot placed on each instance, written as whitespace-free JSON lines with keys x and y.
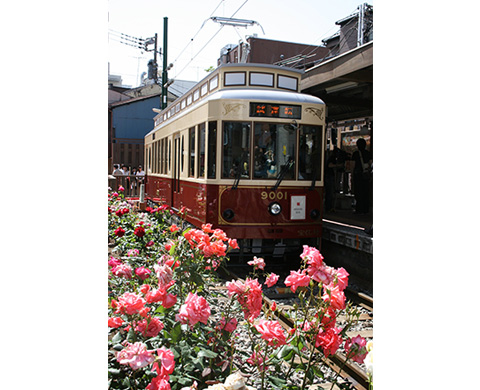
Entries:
{"x":264,"y":95}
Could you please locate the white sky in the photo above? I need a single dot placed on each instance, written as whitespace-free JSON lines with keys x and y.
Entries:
{"x":280,"y":20}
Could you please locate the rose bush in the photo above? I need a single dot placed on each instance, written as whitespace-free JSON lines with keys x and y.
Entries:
{"x":166,"y":332}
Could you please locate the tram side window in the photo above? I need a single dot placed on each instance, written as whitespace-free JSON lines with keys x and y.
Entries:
{"x":274,"y":151}
{"x":236,"y":150}
{"x":201,"y":150}
{"x":191,"y":172}
{"x":212,"y":149}
{"x":309,"y":154}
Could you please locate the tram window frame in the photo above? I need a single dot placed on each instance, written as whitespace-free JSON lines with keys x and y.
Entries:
{"x":196,"y":95}
{"x":212,"y":150}
{"x":213,"y":81}
{"x":201,"y":162}
{"x":267,"y":165}
{"x":192,"y":151}
{"x":162,"y":154}
{"x":251,"y":75}
{"x":182,"y":156}
{"x":316,"y":154}
{"x":233,"y":82}
{"x":282,"y":78}
{"x":204,"y":90}
{"x":228,"y":172}
{"x":169,"y":155}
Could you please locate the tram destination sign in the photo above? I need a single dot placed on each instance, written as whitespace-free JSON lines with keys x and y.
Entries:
{"x":275,"y":110}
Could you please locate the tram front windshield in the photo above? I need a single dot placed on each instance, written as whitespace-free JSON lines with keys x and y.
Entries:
{"x":274,"y":150}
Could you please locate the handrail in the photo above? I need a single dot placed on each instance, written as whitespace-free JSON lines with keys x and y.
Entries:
{"x":130,"y":183}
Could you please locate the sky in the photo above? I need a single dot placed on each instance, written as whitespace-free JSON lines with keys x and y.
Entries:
{"x":195,"y":41}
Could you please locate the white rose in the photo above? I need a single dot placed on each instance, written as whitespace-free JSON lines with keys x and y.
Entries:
{"x":369,"y":362}
{"x":217,"y":386}
{"x":235,"y":382}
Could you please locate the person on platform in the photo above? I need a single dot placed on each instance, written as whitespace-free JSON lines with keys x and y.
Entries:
{"x":116,"y":170}
{"x":335,"y":168}
{"x":362,"y":176}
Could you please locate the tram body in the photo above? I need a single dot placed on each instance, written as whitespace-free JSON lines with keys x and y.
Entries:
{"x":243,"y":151}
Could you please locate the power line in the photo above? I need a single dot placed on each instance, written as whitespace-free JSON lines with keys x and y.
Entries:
{"x":210,"y":39}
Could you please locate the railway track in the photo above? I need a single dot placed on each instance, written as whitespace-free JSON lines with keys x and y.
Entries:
{"x":349,"y":371}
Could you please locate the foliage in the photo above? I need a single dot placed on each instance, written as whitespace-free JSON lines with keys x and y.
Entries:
{"x":167,"y":332}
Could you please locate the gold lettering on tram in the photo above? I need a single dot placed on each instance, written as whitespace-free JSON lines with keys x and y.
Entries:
{"x":273,"y":195}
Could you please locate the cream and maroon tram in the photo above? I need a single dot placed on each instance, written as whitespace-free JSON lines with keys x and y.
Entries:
{"x":242,"y":150}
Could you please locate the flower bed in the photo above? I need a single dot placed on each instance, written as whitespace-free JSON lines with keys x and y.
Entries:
{"x":167,"y":332}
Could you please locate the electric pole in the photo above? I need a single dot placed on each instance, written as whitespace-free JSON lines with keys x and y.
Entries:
{"x":164,"y":71}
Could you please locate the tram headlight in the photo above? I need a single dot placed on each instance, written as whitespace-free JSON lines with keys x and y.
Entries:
{"x":274,"y":208}
{"x":228,"y":214}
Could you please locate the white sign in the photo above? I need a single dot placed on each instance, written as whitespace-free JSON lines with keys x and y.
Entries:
{"x":297,"y":206}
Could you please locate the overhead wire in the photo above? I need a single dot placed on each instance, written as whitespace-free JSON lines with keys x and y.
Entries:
{"x":210,"y":39}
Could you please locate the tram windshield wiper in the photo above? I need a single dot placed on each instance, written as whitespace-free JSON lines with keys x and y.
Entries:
{"x":237,"y":178}
{"x":283,"y":172}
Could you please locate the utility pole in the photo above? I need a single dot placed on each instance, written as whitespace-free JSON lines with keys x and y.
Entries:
{"x":155,"y":75}
{"x":361,"y":15}
{"x":164,"y":71}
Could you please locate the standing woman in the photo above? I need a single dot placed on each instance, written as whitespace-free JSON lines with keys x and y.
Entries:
{"x":362,"y":175}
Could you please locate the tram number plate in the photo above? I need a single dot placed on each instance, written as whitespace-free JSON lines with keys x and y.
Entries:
{"x":274,"y":195}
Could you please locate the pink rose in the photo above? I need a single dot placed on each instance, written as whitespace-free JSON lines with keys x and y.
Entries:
{"x":342,"y":278}
{"x":149,"y":327}
{"x":230,"y":326}
{"x":272,"y":279}
{"x":336,"y":297}
{"x":329,"y":340}
{"x":297,"y":279}
{"x":273,"y":332}
{"x":115,"y":322}
{"x":123,"y":270}
{"x":169,"y":301}
{"x":164,"y":274}
{"x":167,"y":362}
{"x":257,"y":262}
{"x":135,"y":355}
{"x":130,"y":303}
{"x":355,"y":348}
{"x":113,"y":262}
{"x":142,"y":272}
{"x":195,"y":309}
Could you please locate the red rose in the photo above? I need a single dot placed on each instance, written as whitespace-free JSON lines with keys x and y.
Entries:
{"x":139,"y":231}
{"x":119,"y":232}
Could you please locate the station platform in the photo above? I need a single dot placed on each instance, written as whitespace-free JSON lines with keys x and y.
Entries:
{"x":346,"y":228}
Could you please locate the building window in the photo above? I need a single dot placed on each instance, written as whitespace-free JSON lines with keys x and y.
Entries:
{"x":236,"y":150}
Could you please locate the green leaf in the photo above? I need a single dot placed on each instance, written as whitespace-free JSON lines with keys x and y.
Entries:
{"x":207,"y":353}
{"x":117,"y":339}
{"x":176,"y":332}
{"x":277,"y":381}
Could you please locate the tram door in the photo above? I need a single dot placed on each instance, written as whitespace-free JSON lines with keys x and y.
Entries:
{"x":176,"y":172}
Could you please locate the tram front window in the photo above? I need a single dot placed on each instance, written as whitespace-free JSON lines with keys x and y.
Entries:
{"x":236,"y":150}
{"x":309,"y":155}
{"x":274,"y":151}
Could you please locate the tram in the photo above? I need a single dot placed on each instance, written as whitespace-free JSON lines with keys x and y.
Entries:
{"x":243,"y":151}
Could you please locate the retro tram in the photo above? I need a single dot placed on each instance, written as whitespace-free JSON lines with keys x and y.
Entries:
{"x":243,"y":150}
